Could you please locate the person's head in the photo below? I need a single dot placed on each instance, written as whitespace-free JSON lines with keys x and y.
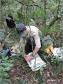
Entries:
{"x":20,"y":27}
{"x":10,"y":22}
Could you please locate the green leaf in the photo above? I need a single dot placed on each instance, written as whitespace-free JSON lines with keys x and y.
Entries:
{"x":22,"y":82}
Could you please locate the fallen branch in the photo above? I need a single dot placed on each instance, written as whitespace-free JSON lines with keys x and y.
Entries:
{"x":28,"y":4}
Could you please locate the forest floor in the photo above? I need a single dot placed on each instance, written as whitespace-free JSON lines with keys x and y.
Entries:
{"x":21,"y":71}
{"x":50,"y":75}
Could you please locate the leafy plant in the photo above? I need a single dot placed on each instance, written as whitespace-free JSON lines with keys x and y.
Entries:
{"x":22,"y":82}
{"x":5,"y":67}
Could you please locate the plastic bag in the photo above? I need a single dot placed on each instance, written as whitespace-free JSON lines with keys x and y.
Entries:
{"x":36,"y":63}
{"x":47,"y":41}
{"x":58,"y":53}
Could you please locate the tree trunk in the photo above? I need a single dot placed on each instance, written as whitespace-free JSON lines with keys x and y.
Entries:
{"x":44,"y":14}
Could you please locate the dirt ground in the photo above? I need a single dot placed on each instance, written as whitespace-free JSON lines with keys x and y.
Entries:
{"x":21,"y":71}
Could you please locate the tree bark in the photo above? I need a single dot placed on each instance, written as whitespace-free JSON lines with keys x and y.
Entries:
{"x":44,"y":14}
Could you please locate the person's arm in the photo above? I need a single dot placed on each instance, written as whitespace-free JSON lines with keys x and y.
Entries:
{"x":38,"y":44}
{"x":36,"y":49}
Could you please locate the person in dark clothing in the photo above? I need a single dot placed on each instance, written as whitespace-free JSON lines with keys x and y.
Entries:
{"x":10,"y":22}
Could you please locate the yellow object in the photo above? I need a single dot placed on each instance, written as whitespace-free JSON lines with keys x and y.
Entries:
{"x":49,"y":49}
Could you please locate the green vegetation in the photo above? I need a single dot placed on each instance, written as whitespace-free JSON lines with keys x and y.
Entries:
{"x":47,"y":16}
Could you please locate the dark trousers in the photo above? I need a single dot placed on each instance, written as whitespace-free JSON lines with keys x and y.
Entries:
{"x":30,"y":45}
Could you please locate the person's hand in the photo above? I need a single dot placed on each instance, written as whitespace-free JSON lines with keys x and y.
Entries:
{"x":28,"y":57}
{"x":13,"y":49}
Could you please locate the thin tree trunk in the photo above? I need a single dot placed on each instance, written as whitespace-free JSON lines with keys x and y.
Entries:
{"x":57,"y":17}
{"x":44,"y":14}
{"x":58,"y":12}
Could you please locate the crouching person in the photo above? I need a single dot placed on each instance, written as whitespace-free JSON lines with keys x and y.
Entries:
{"x":29,"y":36}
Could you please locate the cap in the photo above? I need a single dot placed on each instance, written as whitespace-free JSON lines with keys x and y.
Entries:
{"x":21,"y":28}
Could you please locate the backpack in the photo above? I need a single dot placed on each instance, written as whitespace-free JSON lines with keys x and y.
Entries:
{"x":46,"y":41}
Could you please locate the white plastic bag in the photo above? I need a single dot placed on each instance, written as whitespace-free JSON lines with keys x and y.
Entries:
{"x":36,"y":63}
{"x":58,"y":53}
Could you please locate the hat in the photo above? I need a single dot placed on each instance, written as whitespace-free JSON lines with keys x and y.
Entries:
{"x":21,"y":28}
